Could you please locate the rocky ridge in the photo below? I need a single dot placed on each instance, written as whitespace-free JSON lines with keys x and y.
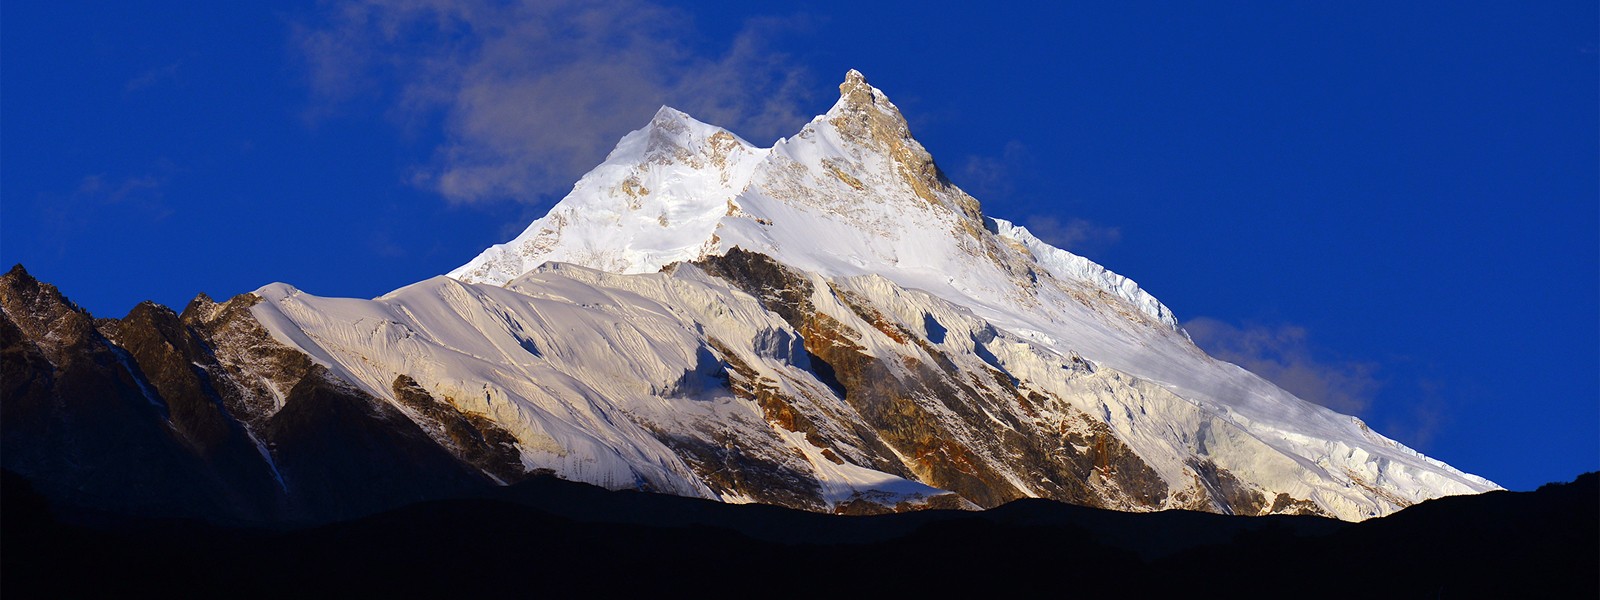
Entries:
{"x":198,"y":414}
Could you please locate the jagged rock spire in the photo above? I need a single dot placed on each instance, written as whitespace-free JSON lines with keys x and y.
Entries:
{"x":863,"y":108}
{"x":865,"y":116}
{"x":855,"y":91}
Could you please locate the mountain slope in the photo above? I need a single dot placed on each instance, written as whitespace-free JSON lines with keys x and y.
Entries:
{"x":831,"y":324}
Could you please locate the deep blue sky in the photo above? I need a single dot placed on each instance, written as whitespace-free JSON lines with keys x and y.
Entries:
{"x":1392,"y":209}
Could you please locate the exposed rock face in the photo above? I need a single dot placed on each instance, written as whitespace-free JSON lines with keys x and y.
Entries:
{"x":81,"y":418}
{"x":344,"y":453}
{"x":927,"y":408}
{"x":473,"y":438}
{"x":178,"y":366}
{"x":199,"y":414}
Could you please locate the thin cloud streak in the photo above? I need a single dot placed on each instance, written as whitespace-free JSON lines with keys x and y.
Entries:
{"x":138,"y":200}
{"x":990,"y":178}
{"x":994,"y":177}
{"x":99,"y":189}
{"x":530,"y":95}
{"x":1284,"y":356}
{"x":1427,"y":415}
{"x":1077,"y":235}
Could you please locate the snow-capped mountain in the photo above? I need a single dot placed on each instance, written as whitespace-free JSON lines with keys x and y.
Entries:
{"x":829,"y":321}
{"x":827,"y":324}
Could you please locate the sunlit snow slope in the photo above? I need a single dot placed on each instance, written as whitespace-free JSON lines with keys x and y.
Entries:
{"x":831,"y":324}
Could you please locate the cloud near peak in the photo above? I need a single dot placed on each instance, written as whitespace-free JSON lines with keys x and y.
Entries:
{"x":1283,"y":355}
{"x":1077,"y":235}
{"x":529,"y":95}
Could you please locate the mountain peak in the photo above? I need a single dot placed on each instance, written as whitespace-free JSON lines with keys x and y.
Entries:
{"x":855,"y":82}
{"x":667,"y":114}
{"x":858,"y":98}
{"x":18,"y":273}
{"x":855,"y":85}
{"x":864,"y":117}
{"x":674,"y":127}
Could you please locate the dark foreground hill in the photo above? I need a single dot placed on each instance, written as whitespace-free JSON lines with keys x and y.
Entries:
{"x":547,"y":537}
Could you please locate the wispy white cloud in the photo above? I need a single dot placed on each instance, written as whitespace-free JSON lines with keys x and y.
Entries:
{"x":1077,"y":235}
{"x":131,"y":201}
{"x":1425,"y":416}
{"x":102,"y":190}
{"x":531,"y":94}
{"x":993,"y":177}
{"x":1284,"y":355}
